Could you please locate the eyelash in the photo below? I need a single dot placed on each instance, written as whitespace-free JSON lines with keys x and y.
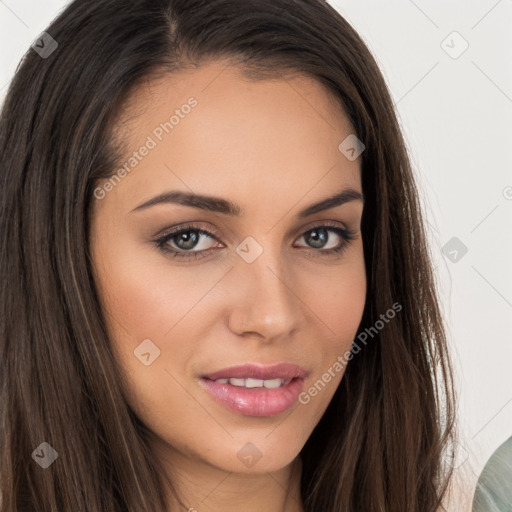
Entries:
{"x":347,"y":236}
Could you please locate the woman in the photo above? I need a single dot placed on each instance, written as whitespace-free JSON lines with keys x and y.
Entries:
{"x":216,"y":289}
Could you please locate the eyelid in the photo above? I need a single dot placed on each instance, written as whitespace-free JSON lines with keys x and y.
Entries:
{"x":326,"y":223}
{"x":210,"y":230}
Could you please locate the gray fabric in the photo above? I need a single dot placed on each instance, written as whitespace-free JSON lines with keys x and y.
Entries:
{"x":493,"y":491}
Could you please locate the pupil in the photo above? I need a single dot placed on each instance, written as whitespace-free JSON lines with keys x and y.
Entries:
{"x":192,"y":240}
{"x":318,"y":234}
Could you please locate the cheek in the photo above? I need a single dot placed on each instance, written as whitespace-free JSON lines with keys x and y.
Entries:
{"x":145,"y":298}
{"x":343,"y":305}
{"x":338,"y":298}
{"x":146,"y":295}
{"x":345,"y":309}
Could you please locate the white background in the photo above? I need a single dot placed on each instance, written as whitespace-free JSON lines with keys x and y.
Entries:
{"x":456,"y":114}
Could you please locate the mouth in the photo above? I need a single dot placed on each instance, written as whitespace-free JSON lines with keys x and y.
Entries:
{"x":251,"y":383}
{"x":255,"y":390}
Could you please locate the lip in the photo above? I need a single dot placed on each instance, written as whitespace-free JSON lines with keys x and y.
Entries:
{"x":256,"y":401}
{"x":257,"y":371}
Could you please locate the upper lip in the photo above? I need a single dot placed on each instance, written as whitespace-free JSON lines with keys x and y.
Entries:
{"x":258,"y":371}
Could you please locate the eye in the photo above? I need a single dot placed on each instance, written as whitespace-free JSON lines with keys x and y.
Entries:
{"x":186,"y":238}
{"x":321,"y":236}
{"x":189,"y":241}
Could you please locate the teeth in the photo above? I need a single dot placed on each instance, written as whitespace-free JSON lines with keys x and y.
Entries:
{"x":255,"y":383}
{"x":273,"y":383}
{"x":237,"y":382}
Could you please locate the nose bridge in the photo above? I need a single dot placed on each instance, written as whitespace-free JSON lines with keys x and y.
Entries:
{"x":266,"y":301}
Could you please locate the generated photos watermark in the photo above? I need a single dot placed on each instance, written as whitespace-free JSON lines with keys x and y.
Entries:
{"x":158,"y":133}
{"x":342,"y":360}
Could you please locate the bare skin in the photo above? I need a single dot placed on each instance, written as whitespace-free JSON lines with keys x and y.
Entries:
{"x":271,"y":147}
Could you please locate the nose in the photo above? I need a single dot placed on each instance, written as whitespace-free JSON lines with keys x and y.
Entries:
{"x":265,"y":303}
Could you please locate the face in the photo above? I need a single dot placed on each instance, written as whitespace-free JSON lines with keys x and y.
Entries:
{"x":192,"y":289}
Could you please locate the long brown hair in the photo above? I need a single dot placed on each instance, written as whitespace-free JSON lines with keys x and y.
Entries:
{"x":379,"y":445}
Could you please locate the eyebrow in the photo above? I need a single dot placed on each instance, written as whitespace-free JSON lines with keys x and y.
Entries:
{"x":226,"y":207}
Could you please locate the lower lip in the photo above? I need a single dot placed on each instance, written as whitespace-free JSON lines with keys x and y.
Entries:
{"x":255,"y":401}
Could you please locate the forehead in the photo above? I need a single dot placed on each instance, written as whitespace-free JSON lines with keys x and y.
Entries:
{"x":240,"y":134}
{"x":221,"y":82}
